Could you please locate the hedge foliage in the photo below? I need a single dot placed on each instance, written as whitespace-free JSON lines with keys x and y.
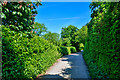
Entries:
{"x":72,"y":49}
{"x":81,"y":46}
{"x":102,"y":49}
{"x":68,"y":50}
{"x":23,"y":57}
{"x":64,"y":50}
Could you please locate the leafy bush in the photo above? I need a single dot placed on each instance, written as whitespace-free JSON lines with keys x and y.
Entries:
{"x":59,"y":49}
{"x":81,"y":47}
{"x":65,"y":50}
{"x":68,"y":50}
{"x":23,"y":57}
{"x":73,"y":49}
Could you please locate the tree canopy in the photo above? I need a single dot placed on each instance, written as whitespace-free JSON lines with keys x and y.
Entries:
{"x":67,"y":32}
{"x":72,"y":36}
{"x":40,"y":29}
{"x":19,"y":15}
{"x":52,"y":37}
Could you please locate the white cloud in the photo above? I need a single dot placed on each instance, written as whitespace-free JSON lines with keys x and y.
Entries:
{"x":65,"y":18}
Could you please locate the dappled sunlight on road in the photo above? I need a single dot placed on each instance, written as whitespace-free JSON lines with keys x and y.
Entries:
{"x":70,"y":66}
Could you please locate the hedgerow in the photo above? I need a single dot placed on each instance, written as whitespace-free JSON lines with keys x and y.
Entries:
{"x":68,"y":50}
{"x":64,"y":50}
{"x":73,"y":49}
{"x":102,"y":49}
{"x":23,"y":57}
{"x":81,"y":46}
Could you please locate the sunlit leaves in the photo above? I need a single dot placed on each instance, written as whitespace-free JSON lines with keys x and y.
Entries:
{"x":52,"y":38}
{"x":102,"y":43}
{"x":40,"y":29}
{"x":3,"y":15}
{"x":20,"y":53}
{"x":19,"y":14}
{"x":67,"y":34}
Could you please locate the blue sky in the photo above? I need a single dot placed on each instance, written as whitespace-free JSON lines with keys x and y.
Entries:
{"x":56,"y":15}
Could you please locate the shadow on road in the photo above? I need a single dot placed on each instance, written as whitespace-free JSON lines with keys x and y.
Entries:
{"x":57,"y":77}
{"x":78,"y":69}
{"x":50,"y":77}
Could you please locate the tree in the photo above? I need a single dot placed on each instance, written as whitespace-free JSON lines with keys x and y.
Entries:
{"x":68,"y":31}
{"x":67,"y":34}
{"x":39,"y":28}
{"x":19,"y":15}
{"x":81,"y":35}
{"x":52,"y":37}
{"x":66,"y":42}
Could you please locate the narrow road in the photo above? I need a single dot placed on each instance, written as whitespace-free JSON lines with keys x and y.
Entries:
{"x":70,"y":66}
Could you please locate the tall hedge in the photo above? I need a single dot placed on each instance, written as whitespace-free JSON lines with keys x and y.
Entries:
{"x":24,"y":58}
{"x":102,"y":49}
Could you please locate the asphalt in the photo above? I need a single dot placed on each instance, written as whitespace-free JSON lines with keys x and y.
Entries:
{"x":68,"y":67}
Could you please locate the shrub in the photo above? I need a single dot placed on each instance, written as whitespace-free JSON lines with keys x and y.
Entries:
{"x":68,"y":50}
{"x":81,"y":47}
{"x":59,"y":49}
{"x":23,"y":57}
{"x":73,"y":49}
{"x":65,"y":50}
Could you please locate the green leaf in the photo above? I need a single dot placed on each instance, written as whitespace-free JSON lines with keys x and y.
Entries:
{"x":14,"y":12}
{"x":23,"y":8}
{"x":17,"y":28}
{"x":3,"y":15}
{"x":21,"y":27}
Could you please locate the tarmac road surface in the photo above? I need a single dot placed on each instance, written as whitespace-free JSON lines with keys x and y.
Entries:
{"x":68,"y":67}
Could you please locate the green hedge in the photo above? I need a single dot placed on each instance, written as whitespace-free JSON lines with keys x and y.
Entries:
{"x":23,"y":57}
{"x":64,"y":50}
{"x":68,"y":50}
{"x":102,"y":49}
{"x":81,"y":47}
{"x":73,"y":49}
